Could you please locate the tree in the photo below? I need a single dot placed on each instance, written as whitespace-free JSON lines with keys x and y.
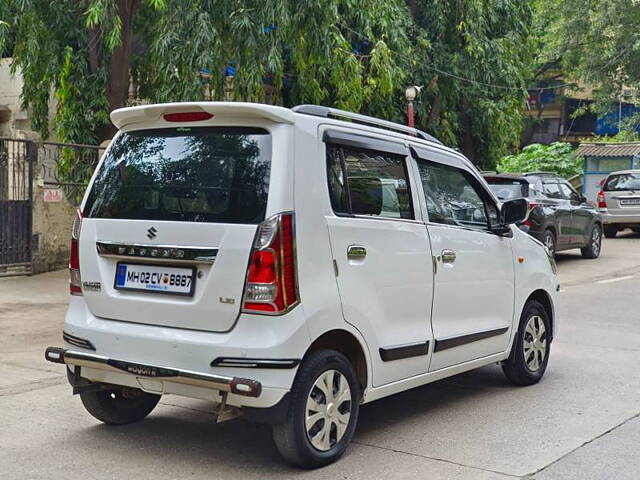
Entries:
{"x":597,"y":42}
{"x":475,"y":57}
{"x":557,"y":157}
{"x":472,"y":55}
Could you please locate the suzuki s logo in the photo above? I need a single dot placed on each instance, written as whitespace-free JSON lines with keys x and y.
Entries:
{"x":151,"y":233}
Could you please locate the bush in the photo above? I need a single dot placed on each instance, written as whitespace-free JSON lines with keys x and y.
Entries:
{"x":557,"y":157}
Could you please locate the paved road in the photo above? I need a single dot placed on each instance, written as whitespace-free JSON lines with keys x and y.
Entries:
{"x":581,"y":422}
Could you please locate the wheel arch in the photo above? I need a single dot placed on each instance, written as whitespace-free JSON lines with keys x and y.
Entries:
{"x":543,"y":297}
{"x":348,"y":344}
{"x":552,"y":227}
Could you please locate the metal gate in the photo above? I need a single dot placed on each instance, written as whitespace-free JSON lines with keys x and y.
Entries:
{"x":16,"y":201}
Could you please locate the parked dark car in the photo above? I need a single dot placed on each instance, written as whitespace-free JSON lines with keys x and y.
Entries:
{"x":559,"y":216}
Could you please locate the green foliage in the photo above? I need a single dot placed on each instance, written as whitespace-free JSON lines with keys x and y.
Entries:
{"x":625,"y":136}
{"x":597,"y":42}
{"x":472,"y":56}
{"x":557,"y":157}
{"x":81,"y":106}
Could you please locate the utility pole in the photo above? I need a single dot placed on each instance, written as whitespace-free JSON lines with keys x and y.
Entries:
{"x":411,"y":93}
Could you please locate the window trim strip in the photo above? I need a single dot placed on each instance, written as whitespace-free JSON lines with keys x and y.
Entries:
{"x":363,"y":141}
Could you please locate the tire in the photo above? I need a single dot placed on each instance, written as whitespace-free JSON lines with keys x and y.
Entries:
{"x":610,"y":231}
{"x":549,"y":240}
{"x":304,"y":447}
{"x":594,"y":247}
{"x":119,"y":405}
{"x":518,"y":369}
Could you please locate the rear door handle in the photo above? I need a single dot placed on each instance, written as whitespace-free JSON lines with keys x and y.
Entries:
{"x":356,"y":252}
{"x":448,"y":257}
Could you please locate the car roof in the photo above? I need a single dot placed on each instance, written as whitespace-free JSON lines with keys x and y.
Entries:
{"x":509,"y":176}
{"x":145,"y":114}
{"x":622,"y":172}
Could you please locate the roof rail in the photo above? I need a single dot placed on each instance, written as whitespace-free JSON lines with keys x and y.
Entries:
{"x":541,"y":174}
{"x":328,"y":112}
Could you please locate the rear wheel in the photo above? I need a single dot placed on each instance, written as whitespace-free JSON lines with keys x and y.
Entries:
{"x":549,"y":241}
{"x":610,"y":231}
{"x":323,"y":412}
{"x":530,"y":352}
{"x":119,"y":405}
{"x":593,"y":248}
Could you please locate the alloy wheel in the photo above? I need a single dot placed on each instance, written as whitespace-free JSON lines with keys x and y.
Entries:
{"x":550,"y":242}
{"x":596,"y":241}
{"x":535,"y":343}
{"x":328,"y":410}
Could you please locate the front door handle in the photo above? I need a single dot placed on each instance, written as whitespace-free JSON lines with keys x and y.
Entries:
{"x":448,"y":257}
{"x":356,"y":252}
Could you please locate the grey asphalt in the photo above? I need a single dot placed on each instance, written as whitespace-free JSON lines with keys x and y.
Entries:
{"x":581,"y":422}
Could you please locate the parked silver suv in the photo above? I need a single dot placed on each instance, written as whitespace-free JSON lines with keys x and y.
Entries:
{"x":619,"y":202}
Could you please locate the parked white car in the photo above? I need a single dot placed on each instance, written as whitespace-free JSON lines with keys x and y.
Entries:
{"x":291,"y":265}
{"x":619,"y":202}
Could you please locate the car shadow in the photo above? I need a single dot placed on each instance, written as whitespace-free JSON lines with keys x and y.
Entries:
{"x":179,"y":435}
{"x":628,"y":233}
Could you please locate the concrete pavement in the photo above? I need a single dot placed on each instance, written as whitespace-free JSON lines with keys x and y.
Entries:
{"x":581,"y":422}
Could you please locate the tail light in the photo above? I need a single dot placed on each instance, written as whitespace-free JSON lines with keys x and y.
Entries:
{"x":187,"y":116}
{"x":531,"y":206}
{"x":75,"y":282}
{"x":271,"y":284}
{"x":602,"y":203}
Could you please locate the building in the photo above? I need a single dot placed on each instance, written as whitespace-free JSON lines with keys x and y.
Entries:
{"x":550,"y":114}
{"x":601,"y":159}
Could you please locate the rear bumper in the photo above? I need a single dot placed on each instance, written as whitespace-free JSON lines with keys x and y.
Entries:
{"x":608,"y":218}
{"x":239,"y":386}
{"x":266,"y":350}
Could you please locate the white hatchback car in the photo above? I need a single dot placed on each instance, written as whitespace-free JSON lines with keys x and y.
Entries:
{"x":291,"y":265}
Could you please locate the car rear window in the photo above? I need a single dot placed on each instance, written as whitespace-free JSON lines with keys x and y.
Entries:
{"x":623,"y":181}
{"x":508,"y":188}
{"x":198,"y":174}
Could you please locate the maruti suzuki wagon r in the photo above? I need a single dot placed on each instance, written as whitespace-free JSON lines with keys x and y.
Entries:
{"x":291,"y":265}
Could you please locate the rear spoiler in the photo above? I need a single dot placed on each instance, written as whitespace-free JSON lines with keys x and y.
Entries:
{"x":149,"y":113}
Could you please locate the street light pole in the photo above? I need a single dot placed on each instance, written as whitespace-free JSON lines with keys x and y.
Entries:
{"x":411,"y":93}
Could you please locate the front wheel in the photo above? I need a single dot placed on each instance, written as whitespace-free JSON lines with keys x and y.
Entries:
{"x":530,"y":352}
{"x":323,"y":412}
{"x":119,"y":405}
{"x":549,"y":241}
{"x":593,"y":248}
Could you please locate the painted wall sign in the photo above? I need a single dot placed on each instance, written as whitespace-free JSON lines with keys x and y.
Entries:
{"x":52,"y":195}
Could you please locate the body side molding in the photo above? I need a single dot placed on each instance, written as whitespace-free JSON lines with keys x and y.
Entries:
{"x":397,"y":352}
{"x":446,"y":343}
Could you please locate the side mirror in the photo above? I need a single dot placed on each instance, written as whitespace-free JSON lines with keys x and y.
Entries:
{"x":514,"y":211}
{"x":583,"y":199}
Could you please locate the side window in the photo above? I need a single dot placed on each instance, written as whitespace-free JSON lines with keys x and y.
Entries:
{"x":569,"y":193}
{"x":454,"y":198}
{"x":376,"y":182}
{"x":552,"y":190}
{"x":536,"y":190}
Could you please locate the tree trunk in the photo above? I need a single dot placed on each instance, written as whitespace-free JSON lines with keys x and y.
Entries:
{"x":413,"y":7}
{"x":467,"y":145}
{"x":119,"y":68}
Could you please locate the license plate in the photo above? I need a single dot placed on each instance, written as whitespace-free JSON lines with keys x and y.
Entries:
{"x":630,"y":201}
{"x":155,"y":278}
